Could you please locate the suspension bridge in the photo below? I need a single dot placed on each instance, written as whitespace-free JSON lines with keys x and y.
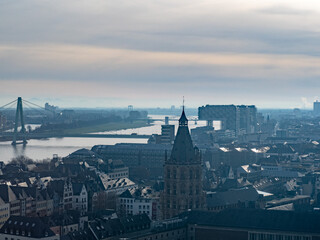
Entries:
{"x":20,"y":135}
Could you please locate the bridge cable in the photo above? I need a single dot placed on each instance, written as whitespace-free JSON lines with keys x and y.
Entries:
{"x":34,"y":109}
{"x":8,"y":103}
{"x":38,"y":106}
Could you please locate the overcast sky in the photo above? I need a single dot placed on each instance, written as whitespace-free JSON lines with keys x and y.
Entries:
{"x":150,"y":53}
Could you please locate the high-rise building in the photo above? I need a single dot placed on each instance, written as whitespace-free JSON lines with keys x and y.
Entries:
{"x":316,"y":107}
{"x":182,"y":175}
{"x":238,"y":119}
{"x":167,"y":134}
{"x":247,"y":118}
{"x":227,"y":114}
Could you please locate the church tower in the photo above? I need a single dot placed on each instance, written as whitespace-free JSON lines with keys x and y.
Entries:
{"x":182,"y":175}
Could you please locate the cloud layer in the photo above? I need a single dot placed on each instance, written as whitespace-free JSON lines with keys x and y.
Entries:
{"x":151,"y":53}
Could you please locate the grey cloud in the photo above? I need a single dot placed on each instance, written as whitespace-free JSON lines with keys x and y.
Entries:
{"x":285,"y":10}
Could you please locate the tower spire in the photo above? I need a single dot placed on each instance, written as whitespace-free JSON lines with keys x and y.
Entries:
{"x":183,"y":121}
{"x":183,"y":103}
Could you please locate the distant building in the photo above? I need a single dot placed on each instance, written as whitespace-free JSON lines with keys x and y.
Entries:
{"x":239,"y":119}
{"x":149,"y":157}
{"x":316,"y":107}
{"x":3,"y":121}
{"x":50,"y":108}
{"x":247,"y":118}
{"x":182,"y":175}
{"x":167,"y":134}
{"x":227,"y":114}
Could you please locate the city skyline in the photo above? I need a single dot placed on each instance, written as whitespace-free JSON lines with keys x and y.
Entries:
{"x":113,"y":54}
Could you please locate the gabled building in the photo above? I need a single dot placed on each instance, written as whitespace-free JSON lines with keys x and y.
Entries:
{"x":4,"y":212}
{"x":26,"y":201}
{"x":61,"y":192}
{"x":80,"y":198}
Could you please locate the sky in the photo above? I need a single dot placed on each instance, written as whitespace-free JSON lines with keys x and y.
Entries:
{"x":151,"y":53}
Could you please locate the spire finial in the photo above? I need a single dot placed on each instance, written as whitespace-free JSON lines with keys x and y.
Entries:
{"x":183,"y":121}
{"x":183,"y":103}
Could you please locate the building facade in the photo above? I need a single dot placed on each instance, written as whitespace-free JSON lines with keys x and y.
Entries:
{"x":241,"y":119}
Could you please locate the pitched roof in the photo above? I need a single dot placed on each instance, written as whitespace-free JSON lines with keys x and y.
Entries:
{"x":23,"y":226}
{"x":6,"y":193}
{"x":183,"y":151}
{"x":126,"y":194}
{"x":232,"y":197}
{"x":109,"y":184}
{"x":77,"y":188}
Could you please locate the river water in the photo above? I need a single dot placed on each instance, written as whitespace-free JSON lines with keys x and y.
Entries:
{"x":45,"y":148}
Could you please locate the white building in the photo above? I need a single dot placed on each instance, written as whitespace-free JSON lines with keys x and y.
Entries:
{"x":4,"y":212}
{"x":130,"y":205}
{"x":80,"y":198}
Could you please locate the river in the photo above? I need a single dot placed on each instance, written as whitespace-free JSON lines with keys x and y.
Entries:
{"x":45,"y":148}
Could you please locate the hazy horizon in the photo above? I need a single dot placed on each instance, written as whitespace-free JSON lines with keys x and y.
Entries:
{"x":150,"y":54}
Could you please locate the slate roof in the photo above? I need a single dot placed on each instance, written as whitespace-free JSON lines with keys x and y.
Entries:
{"x":6,"y":193}
{"x":105,"y":228}
{"x":69,"y":217}
{"x":281,"y":149}
{"x":234,"y":184}
{"x":12,"y":193}
{"x":183,"y":151}
{"x":83,"y":152}
{"x":79,"y":235}
{"x":25,"y":225}
{"x":109,"y":184}
{"x":76,"y":188}
{"x":56,"y":186}
{"x":126,"y":194}
{"x":232,"y":197}
{"x":289,"y":221}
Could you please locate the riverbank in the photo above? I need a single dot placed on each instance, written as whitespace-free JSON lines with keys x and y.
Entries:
{"x":112,"y":126}
{"x":77,"y":132}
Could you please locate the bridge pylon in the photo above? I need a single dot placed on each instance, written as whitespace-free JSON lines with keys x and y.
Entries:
{"x":19,"y":114}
